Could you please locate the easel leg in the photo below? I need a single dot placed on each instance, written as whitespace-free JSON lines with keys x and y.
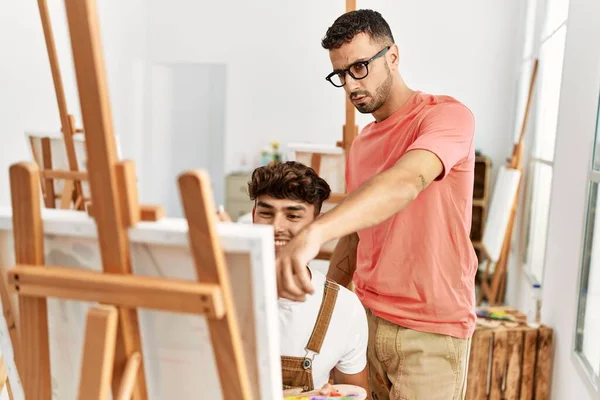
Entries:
{"x":11,"y":323}
{"x":49,"y":197}
{"x":98,"y":353}
{"x":29,"y":250}
{"x":129,"y":377}
{"x":201,"y":215}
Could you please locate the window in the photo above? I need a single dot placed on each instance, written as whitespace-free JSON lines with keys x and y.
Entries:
{"x":587,"y":343}
{"x":530,"y":28}
{"x":544,"y":123}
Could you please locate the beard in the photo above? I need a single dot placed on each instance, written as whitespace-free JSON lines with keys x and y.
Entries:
{"x":378,"y":99}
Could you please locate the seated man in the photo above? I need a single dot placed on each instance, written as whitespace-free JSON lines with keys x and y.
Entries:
{"x":328,"y":332}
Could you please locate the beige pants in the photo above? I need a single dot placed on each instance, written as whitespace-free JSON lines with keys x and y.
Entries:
{"x":412,"y":365}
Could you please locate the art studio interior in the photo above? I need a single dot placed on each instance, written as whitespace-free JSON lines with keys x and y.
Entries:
{"x":135,"y":135}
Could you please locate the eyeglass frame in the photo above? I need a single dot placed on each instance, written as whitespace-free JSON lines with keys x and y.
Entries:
{"x":347,"y":70}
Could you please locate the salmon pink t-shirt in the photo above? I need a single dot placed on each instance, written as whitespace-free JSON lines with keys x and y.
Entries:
{"x":417,"y":269}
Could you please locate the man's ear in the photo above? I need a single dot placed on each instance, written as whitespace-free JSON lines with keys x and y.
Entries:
{"x":253,"y":212}
{"x":394,"y":54}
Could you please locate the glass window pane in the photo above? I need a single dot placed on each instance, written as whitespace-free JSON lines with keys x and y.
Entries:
{"x":548,"y":96}
{"x":597,"y":141}
{"x":557,"y":12}
{"x":522,"y":95}
{"x":588,"y":318}
{"x":538,"y":228}
{"x":527,"y":203}
{"x":530,"y":19}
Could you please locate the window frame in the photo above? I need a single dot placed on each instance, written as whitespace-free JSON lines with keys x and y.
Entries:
{"x":585,"y":265}
{"x":541,"y":36}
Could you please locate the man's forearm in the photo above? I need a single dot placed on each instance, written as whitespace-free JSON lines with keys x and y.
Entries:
{"x":372,"y":203}
{"x":343,"y":260}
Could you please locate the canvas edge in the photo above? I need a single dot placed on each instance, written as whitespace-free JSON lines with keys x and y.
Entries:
{"x":265,"y":286}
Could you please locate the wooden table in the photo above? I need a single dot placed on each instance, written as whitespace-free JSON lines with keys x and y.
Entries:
{"x":509,"y":360}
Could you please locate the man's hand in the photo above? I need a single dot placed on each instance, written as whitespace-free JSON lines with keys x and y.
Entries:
{"x":293,"y":278}
{"x":327,"y":389}
{"x":222,"y":215}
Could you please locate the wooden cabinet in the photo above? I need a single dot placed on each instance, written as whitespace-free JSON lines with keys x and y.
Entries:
{"x":237,"y":201}
{"x":481,"y":188}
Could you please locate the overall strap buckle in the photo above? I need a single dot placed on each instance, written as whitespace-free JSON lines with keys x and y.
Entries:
{"x":307,"y":362}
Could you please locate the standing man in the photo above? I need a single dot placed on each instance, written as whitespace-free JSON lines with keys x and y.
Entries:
{"x":409,"y":177}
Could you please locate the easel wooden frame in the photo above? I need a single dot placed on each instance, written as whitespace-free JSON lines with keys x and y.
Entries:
{"x":112,"y":332}
{"x":72,"y":181}
{"x":72,"y":191}
{"x":494,"y":292}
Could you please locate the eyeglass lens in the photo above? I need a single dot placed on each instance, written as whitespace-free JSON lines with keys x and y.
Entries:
{"x":357,"y":71}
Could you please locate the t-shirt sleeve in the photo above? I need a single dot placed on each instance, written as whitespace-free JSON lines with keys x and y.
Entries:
{"x":354,"y":359}
{"x":448,"y":132}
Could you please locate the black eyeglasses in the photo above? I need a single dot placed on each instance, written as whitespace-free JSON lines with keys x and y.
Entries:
{"x":358,"y":70}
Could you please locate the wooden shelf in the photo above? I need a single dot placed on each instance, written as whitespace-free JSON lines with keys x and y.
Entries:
{"x":481,"y":185}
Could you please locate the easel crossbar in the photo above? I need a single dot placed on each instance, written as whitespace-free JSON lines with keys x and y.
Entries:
{"x":130,"y":291}
{"x":64,"y":174}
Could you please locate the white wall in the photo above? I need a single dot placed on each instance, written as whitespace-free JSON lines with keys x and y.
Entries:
{"x":574,"y":142}
{"x":276,"y":66}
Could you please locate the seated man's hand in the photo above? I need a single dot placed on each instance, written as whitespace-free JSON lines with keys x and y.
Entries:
{"x":222,"y":215}
{"x":327,"y":389}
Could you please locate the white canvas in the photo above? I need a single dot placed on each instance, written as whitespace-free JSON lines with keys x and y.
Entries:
{"x":501,"y":203}
{"x":177,"y":351}
{"x":333,"y":162}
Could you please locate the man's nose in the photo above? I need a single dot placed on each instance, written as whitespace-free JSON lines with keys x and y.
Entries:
{"x":279,"y":223}
{"x":351,"y":84}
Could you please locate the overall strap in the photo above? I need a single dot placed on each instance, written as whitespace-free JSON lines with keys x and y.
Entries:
{"x":318,"y":335}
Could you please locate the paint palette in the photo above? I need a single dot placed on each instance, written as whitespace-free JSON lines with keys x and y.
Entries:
{"x":342,"y":392}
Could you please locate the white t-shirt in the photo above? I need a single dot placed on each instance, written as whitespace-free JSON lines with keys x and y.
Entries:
{"x":345,"y":343}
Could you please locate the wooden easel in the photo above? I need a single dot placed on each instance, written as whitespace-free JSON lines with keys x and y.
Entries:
{"x":494,"y":292}
{"x":112,"y":350}
{"x":72,"y":191}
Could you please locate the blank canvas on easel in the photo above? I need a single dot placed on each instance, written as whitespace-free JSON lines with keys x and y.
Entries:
{"x":501,"y":204}
{"x":176,"y":347}
{"x":331,"y":162}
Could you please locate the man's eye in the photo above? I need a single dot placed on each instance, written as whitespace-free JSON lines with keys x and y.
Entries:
{"x":293,"y":216}
{"x":265,"y":214}
{"x":358,"y":67}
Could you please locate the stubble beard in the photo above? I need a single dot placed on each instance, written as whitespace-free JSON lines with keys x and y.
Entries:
{"x":380,"y":97}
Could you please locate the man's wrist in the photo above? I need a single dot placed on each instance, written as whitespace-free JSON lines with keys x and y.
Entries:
{"x":317,"y":231}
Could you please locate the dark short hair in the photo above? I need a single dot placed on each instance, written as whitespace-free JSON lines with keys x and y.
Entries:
{"x":289,"y":180}
{"x":352,"y":23}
